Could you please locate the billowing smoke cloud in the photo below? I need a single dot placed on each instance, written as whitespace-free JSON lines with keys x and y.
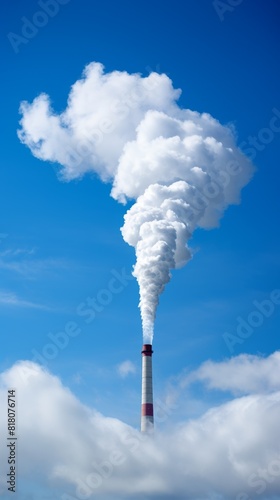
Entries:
{"x":183,"y":168}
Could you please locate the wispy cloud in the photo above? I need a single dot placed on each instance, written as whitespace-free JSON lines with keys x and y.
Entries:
{"x":29,"y":268}
{"x":125,"y":368}
{"x":17,"y":251}
{"x":11,"y":299}
{"x":24,"y":262}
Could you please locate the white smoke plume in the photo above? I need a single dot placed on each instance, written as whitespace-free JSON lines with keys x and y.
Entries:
{"x":183,"y":168}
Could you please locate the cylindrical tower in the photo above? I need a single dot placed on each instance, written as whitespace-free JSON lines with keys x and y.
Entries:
{"x":147,"y":416}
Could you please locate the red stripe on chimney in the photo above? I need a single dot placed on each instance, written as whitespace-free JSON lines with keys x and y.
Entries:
{"x":147,"y":410}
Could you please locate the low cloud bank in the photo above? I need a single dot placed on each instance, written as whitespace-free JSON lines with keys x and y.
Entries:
{"x":230,"y":452}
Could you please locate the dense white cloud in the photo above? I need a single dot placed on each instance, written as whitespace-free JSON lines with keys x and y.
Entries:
{"x":182,"y":167}
{"x":82,"y":454}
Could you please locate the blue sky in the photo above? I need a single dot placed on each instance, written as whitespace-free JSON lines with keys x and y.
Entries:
{"x":61,"y":243}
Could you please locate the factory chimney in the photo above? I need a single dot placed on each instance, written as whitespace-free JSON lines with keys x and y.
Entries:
{"x":147,"y":416}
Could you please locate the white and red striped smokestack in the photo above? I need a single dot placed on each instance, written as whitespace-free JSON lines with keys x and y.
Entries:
{"x":147,"y":416}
